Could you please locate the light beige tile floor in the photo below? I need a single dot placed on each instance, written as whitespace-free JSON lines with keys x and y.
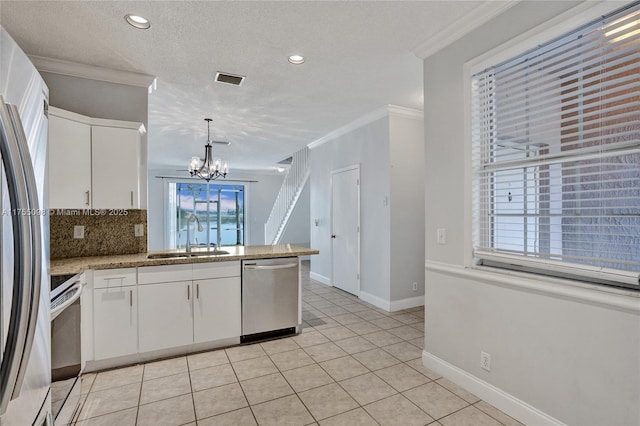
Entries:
{"x":354,"y":364}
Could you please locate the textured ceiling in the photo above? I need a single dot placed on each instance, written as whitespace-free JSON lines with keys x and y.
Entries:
{"x":358,"y":59}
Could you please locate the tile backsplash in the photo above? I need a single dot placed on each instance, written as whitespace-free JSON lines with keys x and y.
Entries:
{"x":106,"y":232}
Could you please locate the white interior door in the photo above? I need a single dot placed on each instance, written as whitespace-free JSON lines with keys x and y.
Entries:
{"x":345,"y":229}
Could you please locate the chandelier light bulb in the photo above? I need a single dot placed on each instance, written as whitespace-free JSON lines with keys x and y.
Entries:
{"x":209,"y":168}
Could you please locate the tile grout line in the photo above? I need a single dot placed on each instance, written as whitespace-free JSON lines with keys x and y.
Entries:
{"x":241,"y":388}
{"x":374,"y":371}
{"x":193,"y":399}
{"x":502,"y":423}
{"x":294,"y":391}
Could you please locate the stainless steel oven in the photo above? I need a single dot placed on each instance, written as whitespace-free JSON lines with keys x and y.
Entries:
{"x":66,"y":361}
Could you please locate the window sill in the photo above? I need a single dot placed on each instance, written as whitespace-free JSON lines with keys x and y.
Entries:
{"x":576,"y":290}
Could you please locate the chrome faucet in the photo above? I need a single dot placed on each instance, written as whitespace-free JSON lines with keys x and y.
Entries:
{"x":200,"y":229}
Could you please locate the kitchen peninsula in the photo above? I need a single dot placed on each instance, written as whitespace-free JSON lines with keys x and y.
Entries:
{"x":77,"y":265}
{"x":145,"y":306}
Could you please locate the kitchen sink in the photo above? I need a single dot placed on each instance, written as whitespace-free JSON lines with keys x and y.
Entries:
{"x":178,"y":255}
{"x":208,"y":253}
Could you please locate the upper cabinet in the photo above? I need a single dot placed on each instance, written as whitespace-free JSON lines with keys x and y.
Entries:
{"x":93,"y":163}
{"x":69,"y":163}
{"x":115,"y":167}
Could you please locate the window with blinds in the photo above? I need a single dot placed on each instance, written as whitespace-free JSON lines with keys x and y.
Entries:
{"x":556,"y":155}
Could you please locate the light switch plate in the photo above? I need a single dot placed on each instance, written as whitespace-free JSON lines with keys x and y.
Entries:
{"x":138,"y":230}
{"x":78,"y":231}
{"x":442,"y":236}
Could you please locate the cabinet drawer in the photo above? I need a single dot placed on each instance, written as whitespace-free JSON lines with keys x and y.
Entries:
{"x":114,"y":278}
{"x":164,"y":273}
{"x":202,"y":271}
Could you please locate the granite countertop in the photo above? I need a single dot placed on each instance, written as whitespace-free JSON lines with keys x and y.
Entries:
{"x":76,"y":265}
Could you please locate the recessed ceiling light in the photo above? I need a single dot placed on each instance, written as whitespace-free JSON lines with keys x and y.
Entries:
{"x":137,"y":21}
{"x":296,"y":59}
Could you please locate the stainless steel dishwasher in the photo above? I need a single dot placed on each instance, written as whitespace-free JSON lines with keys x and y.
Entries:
{"x":269,"y":297}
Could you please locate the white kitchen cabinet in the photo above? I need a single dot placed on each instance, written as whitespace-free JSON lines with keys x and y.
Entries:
{"x":115,"y":322}
{"x":93,"y":163}
{"x":217,"y":309}
{"x":115,"y":167}
{"x":195,"y":304}
{"x":166,"y":318}
{"x":69,"y":161}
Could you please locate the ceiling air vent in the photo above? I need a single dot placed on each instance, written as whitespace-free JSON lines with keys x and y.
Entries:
{"x":223,"y":77}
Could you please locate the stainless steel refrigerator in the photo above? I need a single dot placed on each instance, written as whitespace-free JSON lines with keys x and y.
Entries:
{"x":25,"y":339}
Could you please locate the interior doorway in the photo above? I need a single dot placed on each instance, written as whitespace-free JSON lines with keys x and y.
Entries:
{"x":345,"y":229}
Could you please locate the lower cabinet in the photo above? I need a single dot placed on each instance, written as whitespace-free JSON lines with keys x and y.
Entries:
{"x":161,"y":307}
{"x":115,"y":322}
{"x":166,"y":320}
{"x":181,"y":313}
{"x":216,"y":309}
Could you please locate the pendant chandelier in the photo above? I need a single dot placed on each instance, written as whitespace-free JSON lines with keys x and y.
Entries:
{"x":210,"y":168}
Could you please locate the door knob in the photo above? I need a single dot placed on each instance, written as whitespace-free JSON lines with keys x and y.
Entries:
{"x":333,"y":236}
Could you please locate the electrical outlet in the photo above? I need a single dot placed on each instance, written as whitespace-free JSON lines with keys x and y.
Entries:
{"x":138,"y":230}
{"x":415,"y":286}
{"x":442,"y":236}
{"x":78,"y":231}
{"x":485,"y":361}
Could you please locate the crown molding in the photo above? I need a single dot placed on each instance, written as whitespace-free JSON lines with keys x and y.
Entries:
{"x":360,"y":122}
{"x":406,"y":112}
{"x":74,"y":69}
{"x":462,"y":26}
{"x":92,"y":121}
{"x":367,"y":119}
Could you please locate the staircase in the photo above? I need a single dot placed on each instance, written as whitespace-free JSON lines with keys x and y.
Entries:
{"x":288,"y":196}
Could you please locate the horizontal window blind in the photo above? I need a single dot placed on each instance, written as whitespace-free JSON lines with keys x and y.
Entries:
{"x":556,"y":155}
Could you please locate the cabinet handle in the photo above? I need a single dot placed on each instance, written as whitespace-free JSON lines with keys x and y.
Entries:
{"x":88,"y":194}
{"x":131,"y":198}
{"x":188,"y":292}
{"x":131,"y":298}
{"x":197,"y":291}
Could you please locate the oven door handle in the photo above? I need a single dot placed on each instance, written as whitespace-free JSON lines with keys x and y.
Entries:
{"x":75,"y":291}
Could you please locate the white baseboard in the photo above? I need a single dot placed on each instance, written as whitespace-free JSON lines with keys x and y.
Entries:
{"x":375,"y":300}
{"x":320,"y":278}
{"x":410,"y":302}
{"x":396,"y":305}
{"x":500,"y":399}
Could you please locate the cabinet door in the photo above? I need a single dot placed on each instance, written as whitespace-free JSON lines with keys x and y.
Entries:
{"x":69,"y":164}
{"x":166,"y":320}
{"x":115,"y":164}
{"x":115,"y":322}
{"x":217,"y":307}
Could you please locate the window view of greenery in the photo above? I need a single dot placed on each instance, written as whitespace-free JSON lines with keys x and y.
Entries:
{"x":216,"y":207}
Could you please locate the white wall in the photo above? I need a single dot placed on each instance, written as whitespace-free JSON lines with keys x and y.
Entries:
{"x":101,"y":99}
{"x":367,"y":146}
{"x":573,"y":358}
{"x":407,"y":205}
{"x":390,"y":152}
{"x":260,"y":198}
